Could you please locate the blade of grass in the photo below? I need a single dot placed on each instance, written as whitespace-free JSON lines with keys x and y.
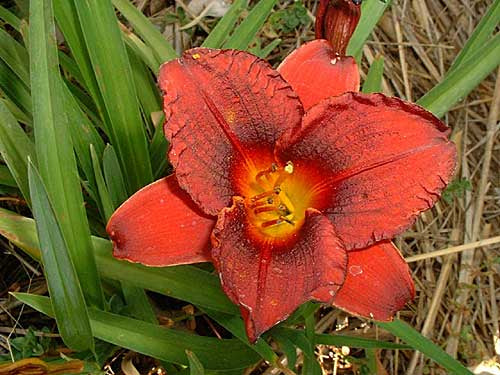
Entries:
{"x":195,"y":366}
{"x":186,"y":283}
{"x":220,"y":32}
{"x":424,"y":345}
{"x":371,"y":12}
{"x":148,"y":32}
{"x":110,"y":61}
{"x":483,"y":31}
{"x":68,"y":22}
{"x":144,"y":53}
{"x":54,"y":149}
{"x":234,"y":324}
{"x":20,"y":231}
{"x":106,"y":204}
{"x":113,"y":176}
{"x":250,"y":26}
{"x":158,"y":150}
{"x":15,"y":56}
{"x":83,"y":133}
{"x":463,"y":79}
{"x":373,"y":81}
{"x":17,"y":112}
{"x":14,"y":89}
{"x":357,"y":342}
{"x":6,"y":177}
{"x":10,"y":18}
{"x":15,"y":148}
{"x":162,"y":343}
{"x":67,"y":297}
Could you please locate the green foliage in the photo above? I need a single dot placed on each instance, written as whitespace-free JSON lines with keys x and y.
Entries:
{"x":456,"y":189}
{"x":288,"y":19}
{"x":29,"y":345}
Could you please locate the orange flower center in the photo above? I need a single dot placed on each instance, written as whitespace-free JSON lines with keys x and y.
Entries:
{"x":276,"y":199}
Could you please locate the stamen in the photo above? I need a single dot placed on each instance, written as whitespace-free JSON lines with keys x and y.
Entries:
{"x":265,"y":194}
{"x":277,"y":221}
{"x":260,"y":210}
{"x":272,"y":169}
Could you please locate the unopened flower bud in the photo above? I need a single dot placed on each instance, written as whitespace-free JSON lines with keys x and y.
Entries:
{"x":336,"y":21}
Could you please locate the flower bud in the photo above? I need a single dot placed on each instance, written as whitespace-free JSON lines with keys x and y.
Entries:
{"x":336,"y":21}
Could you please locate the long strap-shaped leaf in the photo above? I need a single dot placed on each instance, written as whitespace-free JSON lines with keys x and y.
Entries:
{"x":54,"y":149}
{"x":67,"y":298}
{"x":15,"y":148}
{"x":424,"y":345}
{"x":113,"y":73}
{"x":165,"y":344}
{"x":463,"y":79}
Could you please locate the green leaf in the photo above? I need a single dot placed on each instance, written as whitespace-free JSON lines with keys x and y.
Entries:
{"x":54,"y":149}
{"x":220,"y":32}
{"x":104,"y":198}
{"x":67,"y":297}
{"x":371,"y":12}
{"x":15,"y":148}
{"x":158,"y":150}
{"x":234,"y":324}
{"x":10,"y":18}
{"x":424,"y":345}
{"x":15,"y":56}
{"x":14,"y":89}
{"x":195,"y":366}
{"x":162,"y":343}
{"x":113,"y":176}
{"x":483,"y":31}
{"x":356,"y":342}
{"x":114,"y":77}
{"x":20,"y":231}
{"x":373,"y":81}
{"x":187,"y":283}
{"x":6,"y":177}
{"x":148,"y":32}
{"x":463,"y":79}
{"x":250,"y":26}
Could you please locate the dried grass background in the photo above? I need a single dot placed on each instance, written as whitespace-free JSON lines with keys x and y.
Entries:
{"x":457,"y":294}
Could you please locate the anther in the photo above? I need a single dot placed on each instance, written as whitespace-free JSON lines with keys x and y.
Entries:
{"x":272,"y":169}
{"x":288,"y":167}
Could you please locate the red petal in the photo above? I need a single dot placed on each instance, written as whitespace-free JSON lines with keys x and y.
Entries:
{"x":270,"y":279}
{"x":336,"y":20}
{"x":316,"y":72}
{"x":160,"y":226}
{"x":382,"y":161}
{"x":378,"y":283}
{"x":219,"y":106}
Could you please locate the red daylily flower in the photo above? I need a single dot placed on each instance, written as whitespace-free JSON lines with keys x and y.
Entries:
{"x":289,"y":206}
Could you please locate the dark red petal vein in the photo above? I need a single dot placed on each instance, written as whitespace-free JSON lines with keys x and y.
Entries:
{"x":218,"y":106}
{"x":383,"y":161}
{"x":270,"y":279}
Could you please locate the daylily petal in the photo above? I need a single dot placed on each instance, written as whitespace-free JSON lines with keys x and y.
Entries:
{"x":270,"y":278}
{"x":219,"y":106}
{"x":161,"y":226}
{"x":378,"y":283}
{"x":316,"y":72}
{"x":383,"y":161}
